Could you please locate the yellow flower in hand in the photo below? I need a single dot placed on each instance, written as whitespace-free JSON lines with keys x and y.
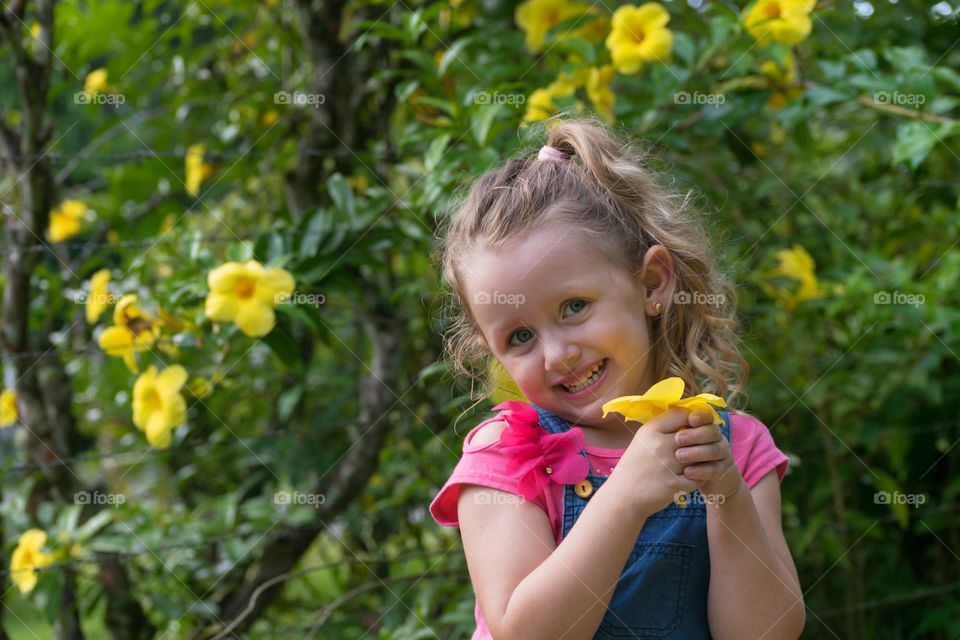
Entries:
{"x":99,"y":297}
{"x":786,"y":21}
{"x":246,"y":294}
{"x":134,"y":330}
{"x":537,"y":17}
{"x":27,"y":557}
{"x":639,"y":35}
{"x":65,"y":220}
{"x":661,"y":397}
{"x":158,"y":405}
{"x":196,"y":169}
{"x":8,"y":408}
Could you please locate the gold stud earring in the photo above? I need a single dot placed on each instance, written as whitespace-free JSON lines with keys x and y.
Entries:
{"x":657,"y":309}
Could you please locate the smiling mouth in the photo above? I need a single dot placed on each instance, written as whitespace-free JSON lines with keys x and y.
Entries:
{"x":589,"y":381}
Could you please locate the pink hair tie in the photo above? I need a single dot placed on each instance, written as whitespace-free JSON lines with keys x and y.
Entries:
{"x":552,"y":153}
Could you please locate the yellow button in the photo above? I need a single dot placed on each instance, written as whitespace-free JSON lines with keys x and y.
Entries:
{"x":584,"y":488}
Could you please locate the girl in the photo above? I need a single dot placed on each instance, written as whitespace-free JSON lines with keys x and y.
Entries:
{"x":588,"y":281}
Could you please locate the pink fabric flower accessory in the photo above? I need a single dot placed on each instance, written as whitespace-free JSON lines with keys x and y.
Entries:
{"x":537,"y":456}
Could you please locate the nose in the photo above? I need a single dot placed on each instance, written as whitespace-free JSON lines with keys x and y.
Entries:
{"x":560,"y":356}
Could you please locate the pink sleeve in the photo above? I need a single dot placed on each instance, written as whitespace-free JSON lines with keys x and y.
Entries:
{"x":754,"y":450}
{"x":484,"y":465}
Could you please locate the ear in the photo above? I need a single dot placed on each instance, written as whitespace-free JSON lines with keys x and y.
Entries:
{"x":657,"y":279}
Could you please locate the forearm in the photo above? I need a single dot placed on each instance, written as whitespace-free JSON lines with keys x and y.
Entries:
{"x":568,"y":594}
{"x":752,"y":594}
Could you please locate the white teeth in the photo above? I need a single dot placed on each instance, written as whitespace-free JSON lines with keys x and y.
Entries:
{"x":590,"y":379}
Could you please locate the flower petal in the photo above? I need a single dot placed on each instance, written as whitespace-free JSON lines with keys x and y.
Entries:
{"x":255,"y":319}
{"x":224,"y":278}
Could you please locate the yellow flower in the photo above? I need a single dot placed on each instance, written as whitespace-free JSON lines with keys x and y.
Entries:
{"x":134,"y":330}
{"x":661,"y":397}
{"x":8,"y":407}
{"x":27,"y":557}
{"x":65,"y":220}
{"x":786,"y":21}
{"x":35,"y":30}
{"x":639,"y":35}
{"x":158,"y":405}
{"x":537,"y":17}
{"x":359,"y":183}
{"x":566,"y":84}
{"x":269,"y":118}
{"x":597,"y":28}
{"x":781,"y":80}
{"x":96,"y":81}
{"x":200,"y":387}
{"x":798,"y":265}
{"x":539,"y":106}
{"x":196,"y":169}
{"x":99,"y":296}
{"x":246,"y":294}
{"x":598,"y":90}
{"x":504,"y":388}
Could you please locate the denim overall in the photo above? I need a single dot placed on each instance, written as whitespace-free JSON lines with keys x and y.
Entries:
{"x":662,"y":591}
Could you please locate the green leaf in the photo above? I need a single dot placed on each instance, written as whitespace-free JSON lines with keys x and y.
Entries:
{"x":314,"y":232}
{"x":888,"y":493}
{"x":481,"y":120}
{"x":452,"y":55}
{"x":684,"y":47}
{"x":914,"y":141}
{"x":435,"y":151}
{"x":342,"y":195}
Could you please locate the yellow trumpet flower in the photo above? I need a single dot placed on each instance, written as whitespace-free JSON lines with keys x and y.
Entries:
{"x":661,"y":397}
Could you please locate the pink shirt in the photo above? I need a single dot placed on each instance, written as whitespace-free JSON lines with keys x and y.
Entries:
{"x":754,"y":453}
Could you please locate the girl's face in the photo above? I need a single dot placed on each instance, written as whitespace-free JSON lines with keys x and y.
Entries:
{"x":568,"y":324}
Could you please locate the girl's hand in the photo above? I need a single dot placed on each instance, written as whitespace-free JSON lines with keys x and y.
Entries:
{"x":707,"y":459}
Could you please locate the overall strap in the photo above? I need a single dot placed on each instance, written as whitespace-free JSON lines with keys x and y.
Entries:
{"x":550,"y":421}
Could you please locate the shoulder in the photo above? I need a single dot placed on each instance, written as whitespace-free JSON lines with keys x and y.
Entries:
{"x":487,"y":433}
{"x":754,"y":449}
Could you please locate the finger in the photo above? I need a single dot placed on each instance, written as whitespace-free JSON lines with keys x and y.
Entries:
{"x":704,"y":471}
{"x":671,"y":421}
{"x":697,"y":418}
{"x":698,"y":435}
{"x":700,"y":453}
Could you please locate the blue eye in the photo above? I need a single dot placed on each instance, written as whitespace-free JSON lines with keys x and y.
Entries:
{"x":579,"y":304}
{"x":521,"y":332}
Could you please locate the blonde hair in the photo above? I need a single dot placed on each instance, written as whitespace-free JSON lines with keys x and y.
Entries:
{"x":606,"y":190}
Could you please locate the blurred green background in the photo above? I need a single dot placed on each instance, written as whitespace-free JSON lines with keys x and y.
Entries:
{"x":161,"y":140}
